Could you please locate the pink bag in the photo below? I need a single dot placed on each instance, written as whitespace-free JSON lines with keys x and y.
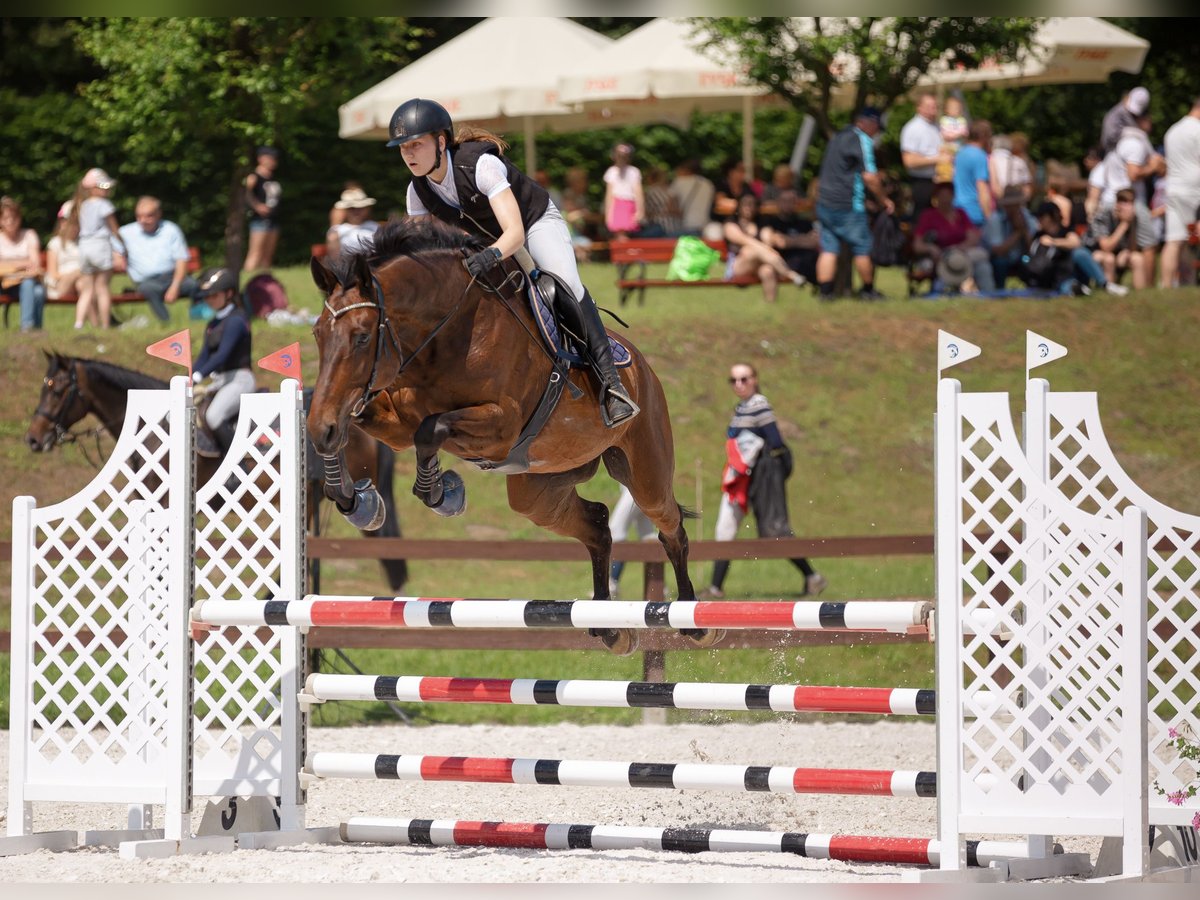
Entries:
{"x":622,"y":216}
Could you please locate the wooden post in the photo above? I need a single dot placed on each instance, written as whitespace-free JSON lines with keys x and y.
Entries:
{"x":654,"y":662}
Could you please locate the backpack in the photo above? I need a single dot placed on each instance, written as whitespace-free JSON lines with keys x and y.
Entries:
{"x":1044,"y":267}
{"x":263,"y":295}
{"x":691,"y":260}
{"x":887,"y":241}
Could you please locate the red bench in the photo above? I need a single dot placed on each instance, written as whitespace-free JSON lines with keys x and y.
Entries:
{"x":635,"y":253}
{"x":126,"y":296}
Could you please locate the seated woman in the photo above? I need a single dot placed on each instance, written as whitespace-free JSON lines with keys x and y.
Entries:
{"x":21,"y":265}
{"x":944,"y":226}
{"x":749,"y":255}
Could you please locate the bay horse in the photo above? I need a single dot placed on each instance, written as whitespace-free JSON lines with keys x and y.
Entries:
{"x":74,"y":387}
{"x":418,"y":354}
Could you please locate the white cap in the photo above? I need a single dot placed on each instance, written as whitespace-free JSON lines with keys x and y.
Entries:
{"x":98,"y":178}
{"x":1139,"y":101}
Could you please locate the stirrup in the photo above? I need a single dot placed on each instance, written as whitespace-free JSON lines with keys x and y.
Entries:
{"x":617,"y":393}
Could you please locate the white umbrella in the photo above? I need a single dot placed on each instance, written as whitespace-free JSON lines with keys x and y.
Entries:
{"x":659,"y":74}
{"x":502,"y":73}
{"x":1066,"y":50}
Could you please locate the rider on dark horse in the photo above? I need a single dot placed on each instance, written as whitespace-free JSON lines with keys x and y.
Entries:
{"x":225,"y":357}
{"x":468,"y":182}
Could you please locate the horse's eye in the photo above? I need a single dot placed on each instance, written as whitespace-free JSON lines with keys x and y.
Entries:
{"x":360,"y":340}
{"x":50,"y":383}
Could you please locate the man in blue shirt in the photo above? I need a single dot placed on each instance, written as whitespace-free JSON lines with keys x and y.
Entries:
{"x":158,"y":257}
{"x":847,"y":170}
{"x":972,"y":180}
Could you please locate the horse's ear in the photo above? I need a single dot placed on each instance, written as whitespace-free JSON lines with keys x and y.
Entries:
{"x":363,"y":275}
{"x":322,"y":275}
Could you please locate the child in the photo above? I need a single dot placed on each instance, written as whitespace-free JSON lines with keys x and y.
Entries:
{"x":62,"y":261}
{"x":94,"y":218}
{"x":954,"y":127}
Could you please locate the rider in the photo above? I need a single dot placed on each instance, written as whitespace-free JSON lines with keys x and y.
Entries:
{"x":489,"y":197}
{"x":225,"y":356}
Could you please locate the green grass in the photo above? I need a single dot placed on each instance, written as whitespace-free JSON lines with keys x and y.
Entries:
{"x":853,"y":385}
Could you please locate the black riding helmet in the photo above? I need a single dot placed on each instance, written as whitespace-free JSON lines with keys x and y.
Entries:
{"x":418,"y":117}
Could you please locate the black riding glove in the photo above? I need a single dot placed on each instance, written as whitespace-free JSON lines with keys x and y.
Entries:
{"x":483,"y":261}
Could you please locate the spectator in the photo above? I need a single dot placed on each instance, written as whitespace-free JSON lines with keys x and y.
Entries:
{"x":760,"y":463}
{"x":972,"y":180}
{"x":262,"y":200}
{"x":1115,"y":231}
{"x":21,"y":265}
{"x":337,"y":215}
{"x":225,"y":357}
{"x":662,"y":212}
{"x":577,"y":208}
{"x":1092,"y":162}
{"x":542,"y":177}
{"x":1131,"y":163}
{"x":920,"y":151}
{"x":694,"y":195}
{"x":793,"y":235}
{"x":157,"y":257}
{"x":62,"y":261}
{"x":1009,"y":163}
{"x":1058,"y":261}
{"x":847,"y":171}
{"x":624,"y":202}
{"x":729,"y":190}
{"x":954,"y":128}
{"x":1123,"y":115}
{"x":782,"y":179}
{"x":1008,"y":234}
{"x":945,"y":227}
{"x":624,"y":514}
{"x":95,"y":217}
{"x":750,"y":255}
{"x":1182,"y":146}
{"x":357,"y":229}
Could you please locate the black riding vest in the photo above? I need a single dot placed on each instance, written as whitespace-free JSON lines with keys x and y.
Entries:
{"x":240,"y":358}
{"x":476,"y":216}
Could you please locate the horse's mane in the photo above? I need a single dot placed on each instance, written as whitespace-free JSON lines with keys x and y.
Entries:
{"x":403,"y":237}
{"x":117,"y":376}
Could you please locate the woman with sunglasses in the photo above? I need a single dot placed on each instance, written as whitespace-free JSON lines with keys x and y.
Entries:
{"x":759,"y":465}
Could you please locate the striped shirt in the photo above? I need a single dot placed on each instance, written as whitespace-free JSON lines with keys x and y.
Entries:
{"x":754,"y":414}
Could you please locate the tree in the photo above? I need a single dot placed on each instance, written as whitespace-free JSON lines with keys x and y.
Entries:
{"x":815,"y":63}
{"x":189,"y":98}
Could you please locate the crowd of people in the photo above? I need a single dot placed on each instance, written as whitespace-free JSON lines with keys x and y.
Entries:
{"x":88,"y":246}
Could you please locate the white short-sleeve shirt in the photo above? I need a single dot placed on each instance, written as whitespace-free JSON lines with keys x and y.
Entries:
{"x":491,"y":177}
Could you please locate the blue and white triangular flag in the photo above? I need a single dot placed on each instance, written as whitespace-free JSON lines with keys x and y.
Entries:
{"x":954,"y":350}
{"x":1040,"y":350}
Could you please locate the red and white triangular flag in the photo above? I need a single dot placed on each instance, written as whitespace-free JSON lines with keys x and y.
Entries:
{"x":286,"y":362}
{"x":175,"y":349}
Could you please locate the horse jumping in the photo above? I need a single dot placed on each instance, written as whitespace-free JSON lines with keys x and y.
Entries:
{"x":419,"y":354}
{"x":74,"y":387}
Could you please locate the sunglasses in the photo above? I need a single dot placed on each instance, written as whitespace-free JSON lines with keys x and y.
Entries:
{"x":741,"y":380}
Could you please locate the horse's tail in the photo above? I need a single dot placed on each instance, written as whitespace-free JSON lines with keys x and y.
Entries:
{"x":687,"y":512}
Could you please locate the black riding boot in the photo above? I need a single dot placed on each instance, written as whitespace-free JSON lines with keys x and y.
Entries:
{"x":616,"y":406}
{"x":224,"y":434}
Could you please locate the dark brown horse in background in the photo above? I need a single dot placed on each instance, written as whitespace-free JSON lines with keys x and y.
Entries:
{"x":418,"y":354}
{"x":74,"y":387}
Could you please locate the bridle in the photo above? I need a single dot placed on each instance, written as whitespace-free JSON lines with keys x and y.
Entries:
{"x":370,"y":392}
{"x":61,"y":432}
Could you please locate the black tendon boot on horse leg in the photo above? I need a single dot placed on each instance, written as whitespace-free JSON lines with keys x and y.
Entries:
{"x":616,"y":406}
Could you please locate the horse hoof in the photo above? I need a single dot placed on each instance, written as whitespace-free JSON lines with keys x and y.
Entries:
{"x":702,"y":638}
{"x":368,"y":512}
{"x":619,"y":641}
{"x":454,"y":496}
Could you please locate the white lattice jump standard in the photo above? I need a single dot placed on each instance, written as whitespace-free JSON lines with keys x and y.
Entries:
{"x":420,"y":612}
{"x":550,"y":836}
{"x":605,"y":773}
{"x":322,"y":687}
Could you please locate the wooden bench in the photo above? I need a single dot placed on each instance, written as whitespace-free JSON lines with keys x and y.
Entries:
{"x":635,"y":253}
{"x":129,"y":295}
